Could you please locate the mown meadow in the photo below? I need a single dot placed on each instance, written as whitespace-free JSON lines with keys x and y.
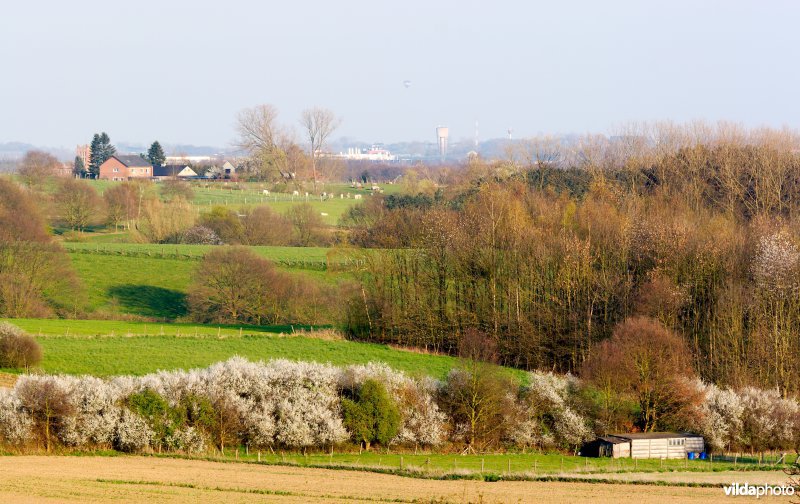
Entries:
{"x":107,"y":348}
{"x":150,"y":280}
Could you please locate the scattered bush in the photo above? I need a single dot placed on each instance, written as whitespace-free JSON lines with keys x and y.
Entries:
{"x":18,"y":349}
{"x":163,"y":221}
{"x":263,"y":226}
{"x":200,"y":235}
{"x":308,"y":225}
{"x":225,"y":223}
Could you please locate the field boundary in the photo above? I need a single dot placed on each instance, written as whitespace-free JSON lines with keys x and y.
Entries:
{"x":178,"y":253}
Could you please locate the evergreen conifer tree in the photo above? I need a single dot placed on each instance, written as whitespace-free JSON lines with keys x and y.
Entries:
{"x":101,"y":150}
{"x":155,"y":154}
{"x":77,"y":167}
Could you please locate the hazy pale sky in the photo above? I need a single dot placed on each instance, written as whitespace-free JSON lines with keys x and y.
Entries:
{"x":178,"y":71}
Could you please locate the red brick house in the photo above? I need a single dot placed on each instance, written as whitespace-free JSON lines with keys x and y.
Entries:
{"x":125,"y":167}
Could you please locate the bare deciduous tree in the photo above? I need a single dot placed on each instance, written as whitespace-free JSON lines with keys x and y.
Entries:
{"x":269,"y":145}
{"x":36,"y":167}
{"x":257,"y":128}
{"x":77,"y":203}
{"x":318,"y":123}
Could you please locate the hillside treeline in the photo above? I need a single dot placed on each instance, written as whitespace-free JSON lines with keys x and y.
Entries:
{"x":548,"y":255}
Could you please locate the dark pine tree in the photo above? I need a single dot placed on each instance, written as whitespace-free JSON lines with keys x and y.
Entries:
{"x":101,"y":150}
{"x":108,"y":149}
{"x":155,"y":154}
{"x":77,"y":167}
{"x":95,"y":155}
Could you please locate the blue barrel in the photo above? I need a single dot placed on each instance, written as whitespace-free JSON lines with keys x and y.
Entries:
{"x":702,"y":455}
{"x":690,"y":455}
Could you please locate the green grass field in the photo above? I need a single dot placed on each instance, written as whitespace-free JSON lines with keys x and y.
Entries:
{"x":278,"y":254}
{"x":106,"y":348}
{"x":151,"y":280}
{"x":243,"y":194}
{"x":135,"y":286}
{"x":531,"y":464}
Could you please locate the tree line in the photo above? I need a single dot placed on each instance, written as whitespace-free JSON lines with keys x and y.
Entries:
{"x":549,"y":253}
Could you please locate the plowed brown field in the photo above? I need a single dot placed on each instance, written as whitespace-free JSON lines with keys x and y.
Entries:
{"x":149,"y":479}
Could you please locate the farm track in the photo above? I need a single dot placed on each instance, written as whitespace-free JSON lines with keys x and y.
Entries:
{"x":148,"y":479}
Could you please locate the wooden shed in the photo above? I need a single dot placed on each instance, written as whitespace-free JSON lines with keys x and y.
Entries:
{"x":607,"y":446}
{"x":660,"y":445}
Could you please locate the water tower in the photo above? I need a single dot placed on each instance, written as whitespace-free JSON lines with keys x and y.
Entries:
{"x":441,"y":136}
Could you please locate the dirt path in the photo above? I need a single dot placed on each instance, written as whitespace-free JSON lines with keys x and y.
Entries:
{"x":148,"y":479}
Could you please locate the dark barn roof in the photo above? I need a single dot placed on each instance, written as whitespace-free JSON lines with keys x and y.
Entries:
{"x":655,"y":435}
{"x":170,"y":170}
{"x":132,"y":161}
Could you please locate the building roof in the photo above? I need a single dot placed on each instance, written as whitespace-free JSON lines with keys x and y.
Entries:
{"x":170,"y":170}
{"x":132,"y":161}
{"x":655,"y":435}
{"x":613,"y":439}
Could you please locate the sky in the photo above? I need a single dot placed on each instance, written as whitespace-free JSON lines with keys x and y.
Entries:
{"x":179,"y":71}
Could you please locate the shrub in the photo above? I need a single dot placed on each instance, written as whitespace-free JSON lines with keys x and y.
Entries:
{"x":720,"y":417}
{"x":96,"y":412}
{"x":479,"y":402}
{"x":372,"y":417}
{"x":308,"y":225}
{"x":15,"y":424}
{"x":263,"y":226}
{"x":47,"y":400}
{"x":225,"y":223}
{"x":200,"y":235}
{"x":421,"y":420}
{"x":18,"y":349}
{"x":162,"y":221}
{"x":546,"y":414}
{"x":132,"y":433}
{"x":162,"y":420}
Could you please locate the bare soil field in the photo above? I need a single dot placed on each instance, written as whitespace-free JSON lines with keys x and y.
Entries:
{"x":776,"y":477}
{"x":150,"y":479}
